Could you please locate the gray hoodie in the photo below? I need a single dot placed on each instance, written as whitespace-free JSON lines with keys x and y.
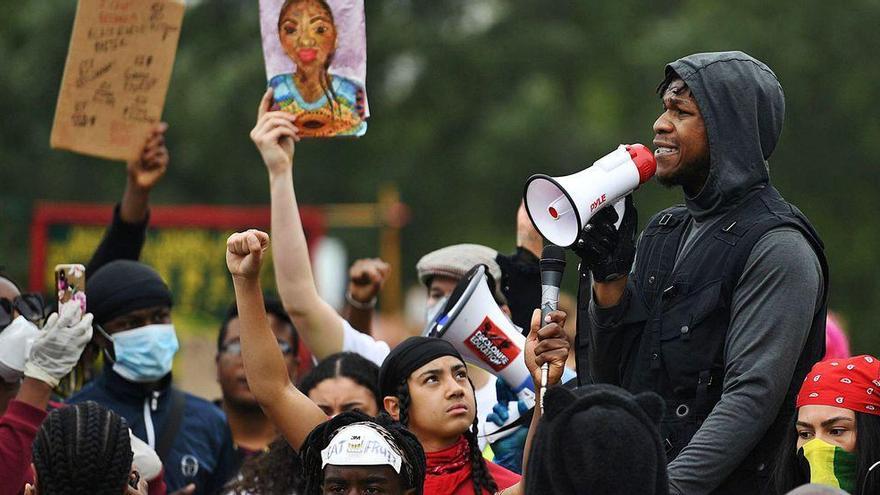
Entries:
{"x":781,"y":287}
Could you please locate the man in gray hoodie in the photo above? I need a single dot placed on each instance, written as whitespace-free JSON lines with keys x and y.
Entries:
{"x":723,"y":311}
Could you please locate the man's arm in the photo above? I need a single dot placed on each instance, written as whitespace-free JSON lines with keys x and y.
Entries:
{"x":294,"y":414}
{"x":773,"y":307}
{"x":125,"y":237}
{"x":607,"y":336}
{"x":365,"y":279}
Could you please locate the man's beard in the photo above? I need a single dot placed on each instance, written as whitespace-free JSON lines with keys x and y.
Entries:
{"x":691,"y":175}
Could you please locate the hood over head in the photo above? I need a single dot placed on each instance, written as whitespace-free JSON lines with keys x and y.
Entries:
{"x":743,"y":107}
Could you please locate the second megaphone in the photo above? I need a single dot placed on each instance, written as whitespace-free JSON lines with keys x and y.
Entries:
{"x":560,"y":207}
{"x":472,"y":322}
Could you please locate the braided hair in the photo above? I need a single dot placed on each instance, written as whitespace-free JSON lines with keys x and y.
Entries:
{"x":412,"y":470}
{"x":83,"y":448}
{"x":480,"y":475}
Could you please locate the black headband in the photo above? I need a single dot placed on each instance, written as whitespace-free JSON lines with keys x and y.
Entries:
{"x":408,"y":356}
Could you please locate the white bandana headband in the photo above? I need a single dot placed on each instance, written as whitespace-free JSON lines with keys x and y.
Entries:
{"x":361,"y":444}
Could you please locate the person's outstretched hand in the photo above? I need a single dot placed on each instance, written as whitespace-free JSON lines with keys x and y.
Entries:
{"x":146,"y":170}
{"x":547,"y":344}
{"x":56,"y":351}
{"x":244,"y":253}
{"x":275,"y":135}
{"x":366,"y":278}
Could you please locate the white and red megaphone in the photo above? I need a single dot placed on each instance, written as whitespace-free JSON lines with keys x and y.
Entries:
{"x":560,"y":207}
{"x":472,"y":322}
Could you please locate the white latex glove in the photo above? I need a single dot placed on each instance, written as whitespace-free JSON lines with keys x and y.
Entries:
{"x":15,"y":345}
{"x":57,"y":349}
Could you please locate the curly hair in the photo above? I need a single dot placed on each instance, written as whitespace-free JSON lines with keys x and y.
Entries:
{"x":83,"y":448}
{"x":276,"y":471}
{"x":412,"y":469}
{"x":480,"y":475}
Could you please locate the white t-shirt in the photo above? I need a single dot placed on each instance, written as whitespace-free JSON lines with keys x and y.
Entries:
{"x":363,"y":344}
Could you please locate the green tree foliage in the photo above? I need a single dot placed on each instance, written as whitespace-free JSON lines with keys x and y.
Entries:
{"x":470,"y":97}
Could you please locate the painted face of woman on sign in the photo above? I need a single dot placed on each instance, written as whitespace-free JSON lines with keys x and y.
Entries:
{"x":307,"y":33}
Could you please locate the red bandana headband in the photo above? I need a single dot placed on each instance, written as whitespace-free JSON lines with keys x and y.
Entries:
{"x":852,"y":383}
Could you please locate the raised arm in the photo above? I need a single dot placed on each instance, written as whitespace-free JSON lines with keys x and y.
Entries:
{"x":365,"y":279}
{"x":294,"y":414}
{"x":316,"y":321}
{"x":126,"y":235}
{"x":526,"y":236}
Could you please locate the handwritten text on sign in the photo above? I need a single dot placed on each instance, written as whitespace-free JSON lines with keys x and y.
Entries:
{"x":116,"y":75}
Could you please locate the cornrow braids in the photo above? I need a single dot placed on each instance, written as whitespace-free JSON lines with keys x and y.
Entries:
{"x":413,"y":464}
{"x":82,"y":448}
{"x":277,"y":471}
{"x":480,"y":475}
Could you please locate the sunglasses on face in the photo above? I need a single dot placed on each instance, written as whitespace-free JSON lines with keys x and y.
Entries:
{"x":234,"y":348}
{"x":29,"y":305}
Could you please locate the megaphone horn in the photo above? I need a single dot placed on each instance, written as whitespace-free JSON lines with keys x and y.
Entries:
{"x":560,"y":207}
{"x":473,"y":323}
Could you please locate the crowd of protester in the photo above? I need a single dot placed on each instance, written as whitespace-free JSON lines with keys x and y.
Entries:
{"x":701,"y":361}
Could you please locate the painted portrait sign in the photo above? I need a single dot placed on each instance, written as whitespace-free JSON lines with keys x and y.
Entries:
{"x":316,"y":63}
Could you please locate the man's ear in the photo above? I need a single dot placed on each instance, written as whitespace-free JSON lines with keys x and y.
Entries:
{"x":392,"y":407}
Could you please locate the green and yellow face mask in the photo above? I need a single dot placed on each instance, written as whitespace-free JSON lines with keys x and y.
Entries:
{"x":830,"y":465}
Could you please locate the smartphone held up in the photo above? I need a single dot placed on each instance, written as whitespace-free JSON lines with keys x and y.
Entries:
{"x":70,"y":284}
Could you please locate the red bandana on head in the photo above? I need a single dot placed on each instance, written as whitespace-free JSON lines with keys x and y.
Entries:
{"x":852,"y":384}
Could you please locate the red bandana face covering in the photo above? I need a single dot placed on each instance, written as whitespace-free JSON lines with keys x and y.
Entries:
{"x":447,"y":469}
{"x":852,"y":384}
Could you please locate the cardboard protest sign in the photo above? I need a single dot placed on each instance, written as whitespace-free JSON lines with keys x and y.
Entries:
{"x":316,"y":63}
{"x":116,"y":75}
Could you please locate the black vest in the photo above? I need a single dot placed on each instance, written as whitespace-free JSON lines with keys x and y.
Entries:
{"x":677,"y":321}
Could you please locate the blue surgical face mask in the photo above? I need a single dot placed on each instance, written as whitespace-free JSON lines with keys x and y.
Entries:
{"x":144,"y":354}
